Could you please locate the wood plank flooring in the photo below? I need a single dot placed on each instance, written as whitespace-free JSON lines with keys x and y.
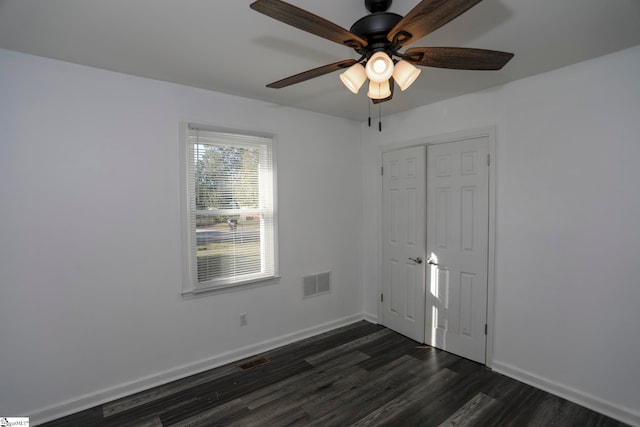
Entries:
{"x":359,"y":375}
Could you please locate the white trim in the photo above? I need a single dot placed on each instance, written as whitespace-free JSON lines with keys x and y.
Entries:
{"x":185,"y":234}
{"x":491,"y":261}
{"x":190,"y":287}
{"x":231,"y":131}
{"x":371,"y":318}
{"x":605,"y":407}
{"x":90,"y":400}
{"x":380,"y":210}
{"x":233,"y":287}
{"x":490,"y":134}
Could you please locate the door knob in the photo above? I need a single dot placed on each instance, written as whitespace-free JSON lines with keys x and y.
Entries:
{"x":417,"y":260}
{"x":432,"y":262}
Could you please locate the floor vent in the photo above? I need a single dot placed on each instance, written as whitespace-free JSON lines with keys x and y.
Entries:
{"x":253,"y":363}
{"x":316,"y":284}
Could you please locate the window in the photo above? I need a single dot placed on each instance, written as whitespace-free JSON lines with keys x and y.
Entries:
{"x":229,"y":226}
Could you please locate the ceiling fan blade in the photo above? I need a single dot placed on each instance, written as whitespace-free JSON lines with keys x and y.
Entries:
{"x":459,"y":58}
{"x":307,"y":21}
{"x":310,"y":74}
{"x":426,"y":17}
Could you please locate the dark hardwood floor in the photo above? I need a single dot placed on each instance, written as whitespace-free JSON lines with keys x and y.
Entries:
{"x":360,"y":375}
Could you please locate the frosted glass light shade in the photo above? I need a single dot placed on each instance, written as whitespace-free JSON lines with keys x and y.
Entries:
{"x":405,"y":73}
{"x":354,"y":77}
{"x":379,"y":90}
{"x":379,"y":67}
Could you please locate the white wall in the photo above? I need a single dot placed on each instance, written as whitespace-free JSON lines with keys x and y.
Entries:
{"x":568,"y":224}
{"x":90,"y":303}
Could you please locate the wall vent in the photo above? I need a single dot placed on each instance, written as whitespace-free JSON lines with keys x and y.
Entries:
{"x":316,"y":284}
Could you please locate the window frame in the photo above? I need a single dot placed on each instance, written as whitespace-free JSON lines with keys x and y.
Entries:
{"x":190,"y":284}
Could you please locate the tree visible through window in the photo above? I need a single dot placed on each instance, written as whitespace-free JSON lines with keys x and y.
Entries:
{"x":231,"y":215}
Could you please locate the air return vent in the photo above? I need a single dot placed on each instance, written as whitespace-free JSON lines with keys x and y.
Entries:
{"x":316,"y":284}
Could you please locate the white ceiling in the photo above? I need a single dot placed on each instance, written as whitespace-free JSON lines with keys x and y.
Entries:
{"x":224,"y":46}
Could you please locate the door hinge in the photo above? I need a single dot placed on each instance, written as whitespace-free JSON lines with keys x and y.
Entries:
{"x":488,"y":159}
{"x":381,"y":297}
{"x":382,"y":170}
{"x":485,"y":329}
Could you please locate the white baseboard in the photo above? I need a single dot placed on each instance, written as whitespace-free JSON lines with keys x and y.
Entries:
{"x":371,"y":318}
{"x":610,"y":409}
{"x":90,"y":400}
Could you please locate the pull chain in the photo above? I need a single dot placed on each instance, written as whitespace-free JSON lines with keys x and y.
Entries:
{"x":379,"y":116}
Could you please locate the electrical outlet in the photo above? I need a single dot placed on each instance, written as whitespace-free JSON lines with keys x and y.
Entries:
{"x":243,"y":319}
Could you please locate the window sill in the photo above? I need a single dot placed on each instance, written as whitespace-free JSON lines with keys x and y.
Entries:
{"x":223,"y":289}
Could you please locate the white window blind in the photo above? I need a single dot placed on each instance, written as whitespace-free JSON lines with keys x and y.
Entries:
{"x":231,"y":215}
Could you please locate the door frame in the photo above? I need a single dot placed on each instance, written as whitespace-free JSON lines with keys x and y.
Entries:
{"x":490,"y":134}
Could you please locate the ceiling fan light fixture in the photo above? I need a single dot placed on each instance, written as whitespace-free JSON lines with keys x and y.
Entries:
{"x":379,"y":67}
{"x":404,"y":73}
{"x":354,"y":77}
{"x":379,"y":90}
{"x":377,"y":37}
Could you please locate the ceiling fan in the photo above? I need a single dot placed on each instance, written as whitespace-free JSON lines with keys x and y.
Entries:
{"x":378,"y":38}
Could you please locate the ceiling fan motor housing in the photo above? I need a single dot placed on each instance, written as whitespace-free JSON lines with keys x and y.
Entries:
{"x":377,"y":5}
{"x":374,"y":27}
